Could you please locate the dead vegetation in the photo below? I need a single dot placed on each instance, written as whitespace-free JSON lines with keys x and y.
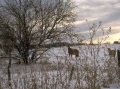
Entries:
{"x":91,"y":72}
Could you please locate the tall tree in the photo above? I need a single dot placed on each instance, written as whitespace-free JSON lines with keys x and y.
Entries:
{"x":35,"y":22}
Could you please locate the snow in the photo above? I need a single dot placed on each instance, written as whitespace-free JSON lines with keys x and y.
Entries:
{"x":59,"y":57}
{"x":103,"y":54}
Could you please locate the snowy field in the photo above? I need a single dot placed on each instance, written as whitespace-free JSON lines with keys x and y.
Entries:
{"x":93,"y":69}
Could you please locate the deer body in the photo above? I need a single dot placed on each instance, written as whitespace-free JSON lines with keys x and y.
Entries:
{"x":73,"y":52}
{"x":112,"y":52}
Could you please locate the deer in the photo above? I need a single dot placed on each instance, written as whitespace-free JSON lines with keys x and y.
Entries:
{"x":111,"y":52}
{"x":73,"y":52}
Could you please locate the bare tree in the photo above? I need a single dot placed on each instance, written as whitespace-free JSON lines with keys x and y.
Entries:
{"x":7,"y":48}
{"x":94,"y":29}
{"x":35,"y":23}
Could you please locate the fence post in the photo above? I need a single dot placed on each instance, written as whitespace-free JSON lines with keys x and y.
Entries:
{"x":118,"y":55}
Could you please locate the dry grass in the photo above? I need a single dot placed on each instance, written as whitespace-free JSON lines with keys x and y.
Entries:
{"x":87,"y":72}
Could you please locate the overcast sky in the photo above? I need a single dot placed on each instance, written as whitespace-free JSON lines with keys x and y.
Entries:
{"x":106,"y":11}
{"x":94,"y":11}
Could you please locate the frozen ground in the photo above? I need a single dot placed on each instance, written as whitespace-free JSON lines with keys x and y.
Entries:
{"x":103,"y":53}
{"x":60,"y":60}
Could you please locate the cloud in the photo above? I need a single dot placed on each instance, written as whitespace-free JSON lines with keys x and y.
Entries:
{"x":94,"y":11}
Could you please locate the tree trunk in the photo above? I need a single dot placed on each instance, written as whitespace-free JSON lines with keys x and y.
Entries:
{"x":9,"y":66}
{"x":25,"y":56}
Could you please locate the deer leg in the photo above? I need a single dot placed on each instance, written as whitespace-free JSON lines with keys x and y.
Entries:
{"x":114,"y":57}
{"x":70,"y":56}
{"x":76,"y":57}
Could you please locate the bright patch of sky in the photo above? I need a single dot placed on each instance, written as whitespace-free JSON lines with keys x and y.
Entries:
{"x":94,"y":11}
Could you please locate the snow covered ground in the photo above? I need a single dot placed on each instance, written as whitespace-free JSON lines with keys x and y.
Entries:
{"x":99,"y":52}
{"x":94,"y":66}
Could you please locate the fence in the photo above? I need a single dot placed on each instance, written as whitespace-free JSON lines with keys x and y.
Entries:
{"x":118,"y":55}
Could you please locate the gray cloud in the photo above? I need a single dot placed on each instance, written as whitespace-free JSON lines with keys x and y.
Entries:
{"x":94,"y":11}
